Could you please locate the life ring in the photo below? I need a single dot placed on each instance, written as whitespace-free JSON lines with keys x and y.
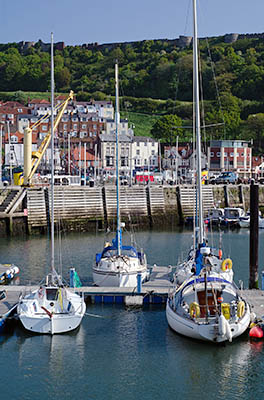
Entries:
{"x":240,"y":309}
{"x":194,"y":310}
{"x":226,"y":264}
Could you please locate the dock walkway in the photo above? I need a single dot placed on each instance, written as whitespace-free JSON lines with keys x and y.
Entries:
{"x":154,"y":291}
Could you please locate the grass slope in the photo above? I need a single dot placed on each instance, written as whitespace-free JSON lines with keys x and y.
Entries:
{"x":142,"y":122}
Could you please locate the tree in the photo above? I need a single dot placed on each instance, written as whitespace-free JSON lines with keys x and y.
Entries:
{"x":254,"y":128}
{"x":63,"y":78}
{"x":167,"y":128}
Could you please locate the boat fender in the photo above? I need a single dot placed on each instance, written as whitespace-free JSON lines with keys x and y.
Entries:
{"x":222,"y":325}
{"x":228,"y":332}
{"x":226,"y":264}
{"x":220,"y":254}
{"x":194,"y":310}
{"x":240,"y":309}
{"x":256,"y":332}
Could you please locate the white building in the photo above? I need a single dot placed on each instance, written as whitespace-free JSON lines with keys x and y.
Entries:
{"x":108,"y":152}
{"x":110,"y":127}
{"x":145,"y":153}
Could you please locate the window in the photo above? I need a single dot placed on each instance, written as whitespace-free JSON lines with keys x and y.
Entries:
{"x":153,"y":152}
{"x":44,"y":128}
{"x":123,"y":162}
{"x":14,"y":139}
{"x":212,"y":154}
{"x":218,"y":154}
{"x":12,"y":148}
{"x":64,"y":126}
{"x":153,"y":143}
{"x":83,"y":126}
{"x":109,"y":161}
{"x":94,"y":127}
{"x":145,"y":161}
{"x":138,"y":152}
{"x":145,"y":144}
{"x":75,"y":126}
{"x":231,"y":154}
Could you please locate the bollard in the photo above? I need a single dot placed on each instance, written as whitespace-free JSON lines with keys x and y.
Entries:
{"x":139,"y":282}
{"x":262,"y":280}
{"x":72,"y":281}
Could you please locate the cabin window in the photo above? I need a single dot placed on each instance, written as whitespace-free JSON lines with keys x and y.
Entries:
{"x":51,"y":294}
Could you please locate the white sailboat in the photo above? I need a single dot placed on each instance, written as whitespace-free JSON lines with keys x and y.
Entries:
{"x":206,"y":305}
{"x":52,"y":308}
{"x":119,"y":265}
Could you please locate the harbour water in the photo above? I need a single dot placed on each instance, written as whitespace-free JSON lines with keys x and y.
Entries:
{"x":125,"y":354}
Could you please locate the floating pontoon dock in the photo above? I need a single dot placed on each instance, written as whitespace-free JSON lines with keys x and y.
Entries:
{"x":154,"y":291}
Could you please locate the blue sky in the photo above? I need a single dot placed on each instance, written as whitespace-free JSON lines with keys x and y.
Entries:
{"x":104,"y":21}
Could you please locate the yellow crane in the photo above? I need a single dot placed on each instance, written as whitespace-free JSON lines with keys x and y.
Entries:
{"x":32,"y":158}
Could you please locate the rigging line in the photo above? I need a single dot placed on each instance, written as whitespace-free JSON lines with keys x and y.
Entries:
{"x":216,"y":87}
{"x":202,"y":97}
{"x":202,"y":126}
{"x":213,"y":71}
{"x":179,"y":63}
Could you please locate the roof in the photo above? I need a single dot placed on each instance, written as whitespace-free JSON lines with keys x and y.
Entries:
{"x":89,"y":154}
{"x":144,"y":139}
{"x":39,"y":101}
{"x":20,"y":137}
{"x":110,"y":137}
{"x":14,"y":104}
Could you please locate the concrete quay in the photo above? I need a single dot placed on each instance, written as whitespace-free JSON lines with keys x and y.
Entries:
{"x":82,"y":208}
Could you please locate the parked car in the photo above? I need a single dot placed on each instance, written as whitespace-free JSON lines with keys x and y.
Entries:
{"x":225,"y":178}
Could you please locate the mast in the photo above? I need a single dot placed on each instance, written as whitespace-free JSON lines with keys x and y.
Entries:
{"x":117,"y":121}
{"x":52,"y":156}
{"x":197,"y":126}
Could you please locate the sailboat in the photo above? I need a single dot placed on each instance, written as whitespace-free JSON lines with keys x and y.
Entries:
{"x":51,"y":308}
{"x":119,"y":265}
{"x":205,"y":304}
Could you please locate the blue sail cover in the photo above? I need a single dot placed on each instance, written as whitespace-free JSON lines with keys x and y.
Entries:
{"x":110,"y":251}
{"x":199,"y":259}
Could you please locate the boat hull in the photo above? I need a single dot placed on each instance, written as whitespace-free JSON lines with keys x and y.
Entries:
{"x":118,"y":279}
{"x":205,"y":332}
{"x":54,"y":325}
{"x":44,"y":315}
